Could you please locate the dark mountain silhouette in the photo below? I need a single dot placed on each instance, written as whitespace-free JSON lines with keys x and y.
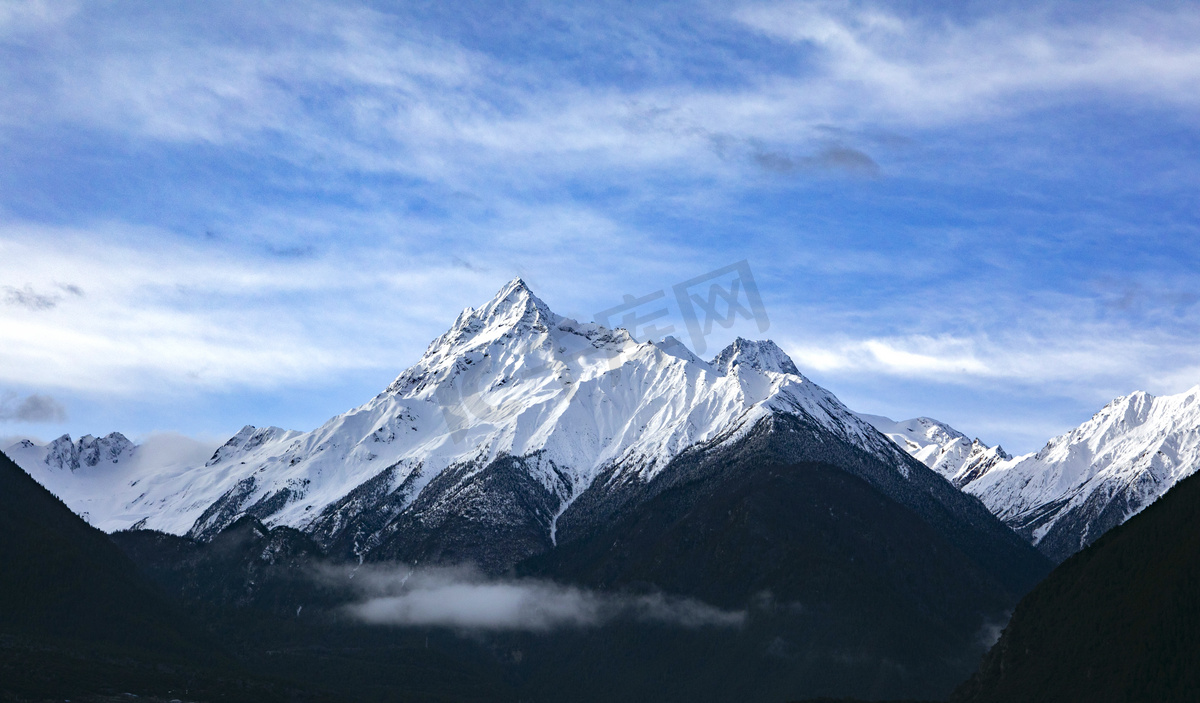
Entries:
{"x":77,"y":619}
{"x":1119,"y":621}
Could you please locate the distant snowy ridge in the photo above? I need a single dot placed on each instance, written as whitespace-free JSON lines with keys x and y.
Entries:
{"x":64,"y":455}
{"x":1098,"y":475}
{"x":1082,"y":483}
{"x":88,"y":470}
{"x":941,"y":447}
{"x":564,"y":400}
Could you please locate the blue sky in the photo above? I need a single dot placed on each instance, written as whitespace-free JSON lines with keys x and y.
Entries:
{"x":262,"y":213}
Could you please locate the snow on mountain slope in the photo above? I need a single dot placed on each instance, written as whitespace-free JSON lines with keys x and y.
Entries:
{"x":64,"y":455}
{"x":94,"y":474}
{"x":83,"y":470}
{"x":1080,"y":484}
{"x":1098,"y":475}
{"x":941,"y":447}
{"x":510,"y":379}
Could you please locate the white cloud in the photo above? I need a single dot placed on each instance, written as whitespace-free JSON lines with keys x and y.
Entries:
{"x":164,"y":451}
{"x":463,"y":599}
{"x":158,"y":314}
{"x":162,"y":314}
{"x":353,"y":85}
{"x":908,"y":71}
{"x":1087,"y":362}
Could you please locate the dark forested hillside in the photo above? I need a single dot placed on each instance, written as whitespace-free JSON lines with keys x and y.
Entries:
{"x":77,"y":619}
{"x":1119,"y":621}
{"x":64,"y":579}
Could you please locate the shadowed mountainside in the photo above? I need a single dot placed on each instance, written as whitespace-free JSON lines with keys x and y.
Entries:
{"x":1119,"y":621}
{"x":78,"y":620}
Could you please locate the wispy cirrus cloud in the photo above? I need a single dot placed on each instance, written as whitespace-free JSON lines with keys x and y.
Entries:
{"x":968,"y":361}
{"x":924,"y":69}
{"x":176,"y":314}
{"x":18,"y":16}
{"x":264,"y":193}
{"x":160,"y":311}
{"x":357,"y":84}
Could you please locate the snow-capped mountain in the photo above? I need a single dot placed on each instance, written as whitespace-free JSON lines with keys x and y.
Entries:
{"x":82,"y":468}
{"x":941,"y":447}
{"x":1098,"y":475}
{"x":64,"y":455}
{"x":1082,"y":483}
{"x":514,"y":413}
{"x":95,"y":474}
{"x":535,"y":446}
{"x":513,"y":410}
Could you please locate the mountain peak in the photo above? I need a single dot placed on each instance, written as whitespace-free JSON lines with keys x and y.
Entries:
{"x":89,"y":450}
{"x":941,"y":447}
{"x":513,"y":308}
{"x":515,"y":294}
{"x":516,"y":284}
{"x":1096,"y":475}
{"x":513,"y":303}
{"x":935,"y":430}
{"x":763,"y":355}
